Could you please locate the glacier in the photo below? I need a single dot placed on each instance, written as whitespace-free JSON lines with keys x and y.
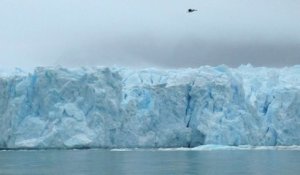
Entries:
{"x":115,"y":107}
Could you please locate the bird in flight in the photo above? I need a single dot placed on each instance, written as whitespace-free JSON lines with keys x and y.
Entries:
{"x":191,"y":10}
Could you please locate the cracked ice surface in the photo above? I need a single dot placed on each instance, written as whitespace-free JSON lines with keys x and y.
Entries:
{"x":119,"y":108}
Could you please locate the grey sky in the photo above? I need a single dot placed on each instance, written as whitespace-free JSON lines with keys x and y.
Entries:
{"x":149,"y":33}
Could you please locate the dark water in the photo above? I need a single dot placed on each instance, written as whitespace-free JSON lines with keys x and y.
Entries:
{"x":75,"y":162}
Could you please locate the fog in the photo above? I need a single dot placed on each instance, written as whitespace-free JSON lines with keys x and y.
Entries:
{"x":153,"y":33}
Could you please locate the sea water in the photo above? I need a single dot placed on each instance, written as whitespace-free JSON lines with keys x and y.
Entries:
{"x":152,"y":162}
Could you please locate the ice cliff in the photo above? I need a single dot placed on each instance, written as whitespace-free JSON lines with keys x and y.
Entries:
{"x":118,"y":107}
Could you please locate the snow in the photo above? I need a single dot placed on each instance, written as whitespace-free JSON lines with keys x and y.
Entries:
{"x":113,"y":107}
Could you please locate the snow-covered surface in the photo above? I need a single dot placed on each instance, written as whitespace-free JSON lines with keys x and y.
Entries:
{"x":150,"y":108}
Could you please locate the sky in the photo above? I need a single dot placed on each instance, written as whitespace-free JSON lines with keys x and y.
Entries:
{"x":156,"y":33}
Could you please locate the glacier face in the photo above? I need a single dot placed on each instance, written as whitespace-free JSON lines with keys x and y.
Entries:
{"x":118,"y":107}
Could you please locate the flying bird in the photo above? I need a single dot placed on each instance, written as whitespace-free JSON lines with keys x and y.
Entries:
{"x":191,"y":10}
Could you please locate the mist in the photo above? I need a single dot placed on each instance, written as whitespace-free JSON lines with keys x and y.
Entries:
{"x":149,"y":34}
